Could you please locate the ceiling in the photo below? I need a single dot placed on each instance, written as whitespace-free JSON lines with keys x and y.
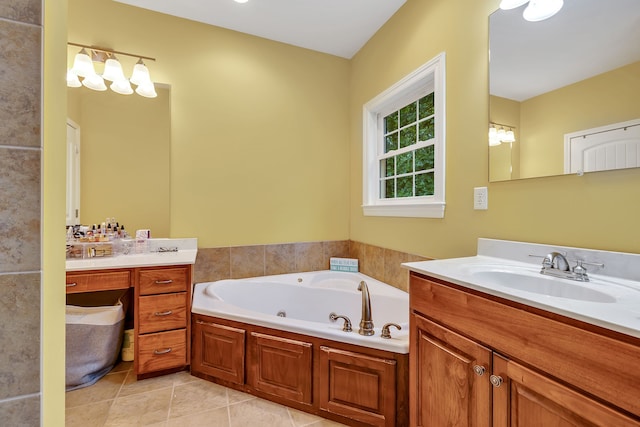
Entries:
{"x":336,"y":27}
{"x":586,"y":38}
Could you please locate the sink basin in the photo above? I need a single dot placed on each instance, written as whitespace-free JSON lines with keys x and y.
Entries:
{"x":543,"y":285}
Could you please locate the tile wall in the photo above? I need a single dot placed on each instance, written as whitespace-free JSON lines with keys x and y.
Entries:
{"x":238,"y":262}
{"x":20,"y":207}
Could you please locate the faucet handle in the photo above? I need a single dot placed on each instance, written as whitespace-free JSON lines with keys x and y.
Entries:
{"x":386,"y":333}
{"x":347,"y":323}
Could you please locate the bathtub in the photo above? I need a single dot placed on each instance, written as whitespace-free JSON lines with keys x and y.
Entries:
{"x":301,"y":303}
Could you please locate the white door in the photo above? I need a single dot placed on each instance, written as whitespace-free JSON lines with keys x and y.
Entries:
{"x":606,"y":148}
{"x":73,"y":173}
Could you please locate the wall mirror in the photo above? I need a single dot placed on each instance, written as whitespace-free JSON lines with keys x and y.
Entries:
{"x":125,"y":157}
{"x":556,"y":83}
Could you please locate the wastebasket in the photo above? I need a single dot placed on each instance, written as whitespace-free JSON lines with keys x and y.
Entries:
{"x":93,"y":336}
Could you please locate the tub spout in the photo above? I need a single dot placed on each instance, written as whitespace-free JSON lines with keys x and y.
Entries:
{"x":366,"y":323}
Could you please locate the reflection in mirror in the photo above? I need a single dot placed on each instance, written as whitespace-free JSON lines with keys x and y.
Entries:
{"x":574,"y":73}
{"x":125,"y":157}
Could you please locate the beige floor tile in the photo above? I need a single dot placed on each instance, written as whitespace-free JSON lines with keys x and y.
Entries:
{"x":301,"y":419}
{"x":93,"y":414}
{"x":259,"y":412}
{"x":213,"y":418}
{"x":105,"y":389}
{"x":236,"y":396}
{"x":195,"y":397}
{"x":122,"y":366}
{"x":132,"y":386}
{"x":142,"y":409}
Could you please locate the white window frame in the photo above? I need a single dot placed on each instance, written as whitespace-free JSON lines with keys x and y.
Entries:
{"x":407,"y":90}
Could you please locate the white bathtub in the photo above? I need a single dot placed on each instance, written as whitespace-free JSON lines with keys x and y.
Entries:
{"x":308,"y":299}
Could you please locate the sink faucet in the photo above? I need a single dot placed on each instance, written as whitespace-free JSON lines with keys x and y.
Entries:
{"x":366,"y":323}
{"x":556,"y":260}
{"x":556,"y":264}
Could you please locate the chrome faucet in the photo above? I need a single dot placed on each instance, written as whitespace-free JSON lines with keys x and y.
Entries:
{"x":556,"y":264}
{"x":366,"y":323}
{"x":557,"y":261}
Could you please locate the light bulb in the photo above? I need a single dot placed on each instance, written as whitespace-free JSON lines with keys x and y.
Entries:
{"x":539,"y":10}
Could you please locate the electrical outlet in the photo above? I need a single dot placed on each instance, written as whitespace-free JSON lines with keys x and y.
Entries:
{"x":480,"y":198}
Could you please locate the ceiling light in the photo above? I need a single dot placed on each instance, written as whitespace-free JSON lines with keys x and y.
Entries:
{"x":537,"y":10}
{"x":241,"y":1}
{"x":511,"y":4}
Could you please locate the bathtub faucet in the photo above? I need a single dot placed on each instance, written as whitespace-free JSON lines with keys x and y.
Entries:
{"x":366,"y":323}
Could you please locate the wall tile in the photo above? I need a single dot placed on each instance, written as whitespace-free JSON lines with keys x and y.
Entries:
{"x":20,"y":334}
{"x":374,"y":262}
{"x":19,"y":210}
{"x":280,"y":259}
{"x":356,"y":250}
{"x":310,"y":256}
{"x":20,"y":84}
{"x":23,"y":412}
{"x":212,"y":264}
{"x":247,"y":261}
{"x":336,"y":248}
{"x":22,"y":10}
{"x":394,"y":273}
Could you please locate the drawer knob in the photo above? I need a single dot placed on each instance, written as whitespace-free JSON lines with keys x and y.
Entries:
{"x":479,"y":370}
{"x":495,"y":380}
{"x":164,"y":282}
{"x":163,"y":351}
{"x":71,"y":285}
{"x":163,"y":313}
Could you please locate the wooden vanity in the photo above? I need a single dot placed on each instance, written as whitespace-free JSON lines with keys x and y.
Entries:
{"x":161,"y":304}
{"x":481,"y":360}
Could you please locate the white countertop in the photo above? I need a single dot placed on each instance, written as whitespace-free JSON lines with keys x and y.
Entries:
{"x":186,"y":254}
{"x":622,"y":315}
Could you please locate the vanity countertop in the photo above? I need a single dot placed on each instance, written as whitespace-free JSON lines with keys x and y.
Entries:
{"x":186,"y":254}
{"x":618,"y":280}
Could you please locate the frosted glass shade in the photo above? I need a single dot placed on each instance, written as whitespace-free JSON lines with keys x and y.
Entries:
{"x":511,"y":4}
{"x":82,"y":64}
{"x":122,"y":86}
{"x":72,"y":79}
{"x":493,"y":137}
{"x":147,"y":90}
{"x":539,"y":10}
{"x":94,"y":82}
{"x":113,"y":70}
{"x":140,"y":76}
{"x":509,"y":136}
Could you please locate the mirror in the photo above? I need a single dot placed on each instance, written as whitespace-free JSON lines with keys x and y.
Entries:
{"x":557,"y":82}
{"x":125,"y":157}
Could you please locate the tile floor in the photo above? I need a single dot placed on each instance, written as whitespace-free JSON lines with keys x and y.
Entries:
{"x":176,"y":400}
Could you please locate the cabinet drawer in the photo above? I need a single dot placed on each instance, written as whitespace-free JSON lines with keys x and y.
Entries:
{"x":98,"y":281}
{"x":162,"y":312}
{"x":164,"y":280}
{"x":163,"y":350}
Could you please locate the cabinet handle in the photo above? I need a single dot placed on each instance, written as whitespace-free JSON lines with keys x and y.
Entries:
{"x":163,"y":351}
{"x":479,"y":370}
{"x":71,"y":285}
{"x":163,"y":313}
{"x":495,"y":380}
{"x":163,"y":282}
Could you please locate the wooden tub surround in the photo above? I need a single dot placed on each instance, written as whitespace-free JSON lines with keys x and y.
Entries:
{"x":480,"y":360}
{"x":343,"y":382}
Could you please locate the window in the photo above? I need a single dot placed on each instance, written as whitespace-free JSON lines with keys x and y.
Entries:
{"x":404,"y":146}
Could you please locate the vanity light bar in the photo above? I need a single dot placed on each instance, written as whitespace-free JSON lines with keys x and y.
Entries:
{"x":110,"y":51}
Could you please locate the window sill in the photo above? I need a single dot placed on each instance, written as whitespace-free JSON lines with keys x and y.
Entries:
{"x":431,"y":210}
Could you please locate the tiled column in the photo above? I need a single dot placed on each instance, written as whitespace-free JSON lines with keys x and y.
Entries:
{"x":20,"y":211}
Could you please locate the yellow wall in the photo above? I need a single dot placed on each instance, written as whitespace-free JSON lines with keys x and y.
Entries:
{"x":259,"y":129}
{"x":125,"y":158}
{"x":53,"y":217}
{"x":596,"y":210}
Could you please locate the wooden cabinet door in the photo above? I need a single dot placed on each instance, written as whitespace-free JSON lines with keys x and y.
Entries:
{"x":525,"y":398}
{"x":358,"y":386}
{"x":282,"y":367}
{"x":448,"y":377}
{"x":218,"y":351}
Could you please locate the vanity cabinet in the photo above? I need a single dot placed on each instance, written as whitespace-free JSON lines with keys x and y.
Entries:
{"x":479,"y":360}
{"x":353,"y":385}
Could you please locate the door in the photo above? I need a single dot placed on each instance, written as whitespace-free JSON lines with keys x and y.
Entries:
{"x":73,"y":173}
{"x":449,"y":377}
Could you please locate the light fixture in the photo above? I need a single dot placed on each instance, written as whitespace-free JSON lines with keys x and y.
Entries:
{"x":537,"y":10}
{"x":241,"y":1}
{"x":83,"y":68}
{"x":498,"y":134}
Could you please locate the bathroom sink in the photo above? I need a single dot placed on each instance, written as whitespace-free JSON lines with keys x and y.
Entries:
{"x":536,"y":283}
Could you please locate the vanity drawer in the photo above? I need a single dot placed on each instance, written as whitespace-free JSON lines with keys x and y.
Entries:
{"x":163,"y":280}
{"x":162,"y":312}
{"x":163,"y":350}
{"x":98,"y":281}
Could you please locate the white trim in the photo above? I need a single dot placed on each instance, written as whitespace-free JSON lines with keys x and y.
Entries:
{"x":431,"y":73}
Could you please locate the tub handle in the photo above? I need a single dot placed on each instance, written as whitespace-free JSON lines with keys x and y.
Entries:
{"x":163,"y":313}
{"x":347,"y":323}
{"x":164,"y":282}
{"x":386,"y":332}
{"x":163,"y":351}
